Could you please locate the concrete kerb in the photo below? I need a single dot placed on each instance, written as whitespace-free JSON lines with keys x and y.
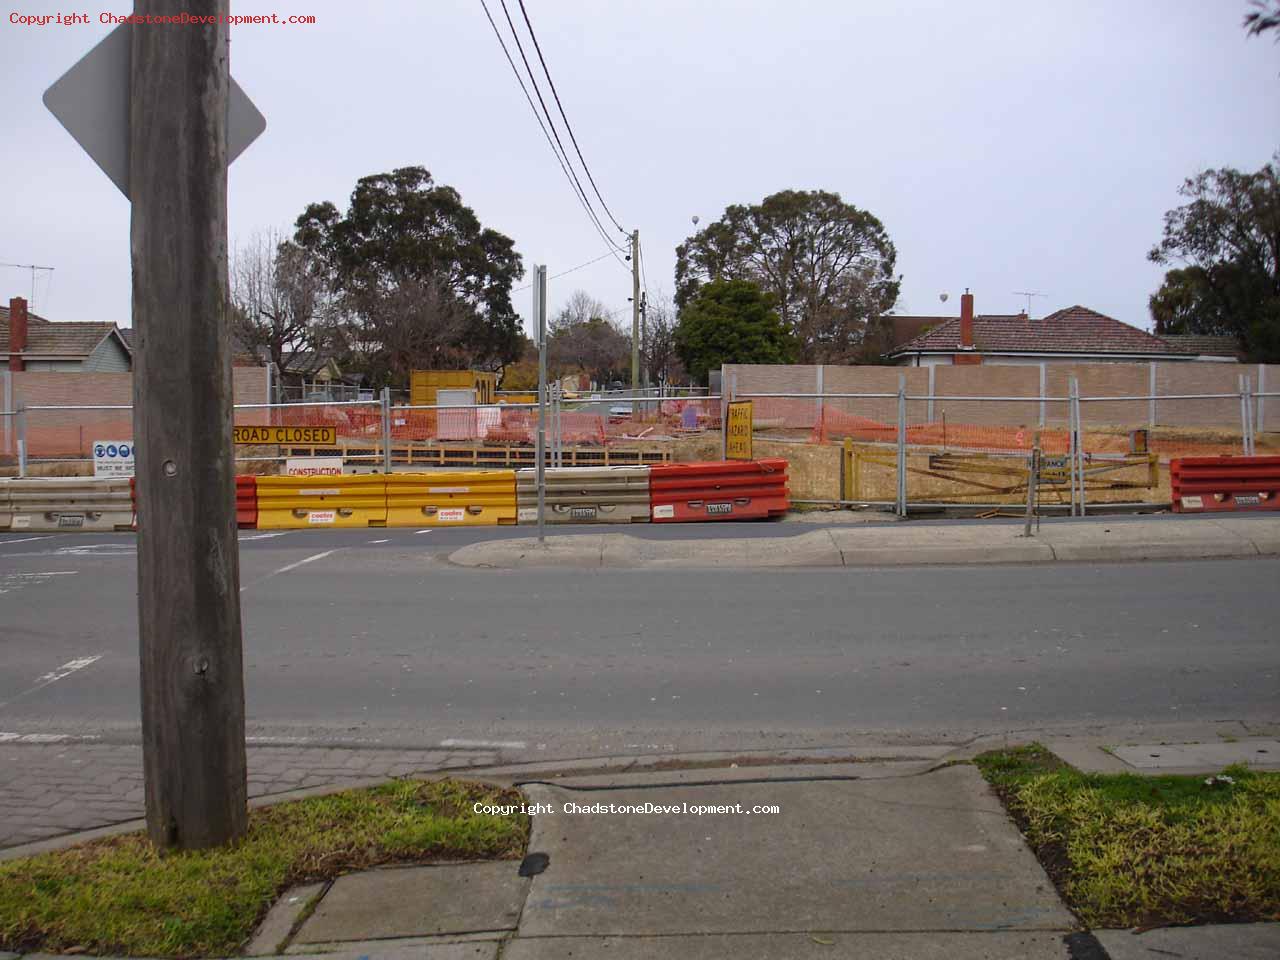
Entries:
{"x":1089,"y":541}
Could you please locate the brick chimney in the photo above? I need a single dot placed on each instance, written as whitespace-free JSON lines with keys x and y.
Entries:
{"x":966,"y":320}
{"x":17,"y":334}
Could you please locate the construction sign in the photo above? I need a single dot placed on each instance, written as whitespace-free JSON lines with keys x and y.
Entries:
{"x":737,"y":431}
{"x":300,"y":436}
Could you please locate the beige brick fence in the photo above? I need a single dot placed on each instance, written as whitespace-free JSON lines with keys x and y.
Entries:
{"x":1135,"y":383}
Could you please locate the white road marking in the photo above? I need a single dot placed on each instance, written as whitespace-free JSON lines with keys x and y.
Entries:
{"x":428,"y":530}
{"x":68,"y":668}
{"x":6,"y":737}
{"x":53,"y":676}
{"x":379,"y":541}
{"x":10,"y":582}
{"x":5,"y":543}
{"x":96,"y":550}
{"x":291,"y":566}
{"x":486,"y":744}
{"x":263,"y":536}
{"x":304,"y":562}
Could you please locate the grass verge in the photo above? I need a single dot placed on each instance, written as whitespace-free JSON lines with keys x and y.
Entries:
{"x":1135,"y":851}
{"x":120,"y":896}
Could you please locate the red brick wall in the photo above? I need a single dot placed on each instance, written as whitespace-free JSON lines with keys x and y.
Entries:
{"x":57,"y":433}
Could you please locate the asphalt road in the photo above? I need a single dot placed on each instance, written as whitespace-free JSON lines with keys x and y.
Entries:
{"x":371,"y":636}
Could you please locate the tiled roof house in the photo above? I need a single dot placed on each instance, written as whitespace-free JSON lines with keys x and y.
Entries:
{"x":30,"y":342}
{"x":1072,"y":334}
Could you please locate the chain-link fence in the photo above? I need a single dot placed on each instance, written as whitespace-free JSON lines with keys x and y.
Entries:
{"x":912,"y":449}
{"x":378,"y":434}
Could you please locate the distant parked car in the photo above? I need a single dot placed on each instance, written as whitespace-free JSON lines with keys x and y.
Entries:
{"x":619,"y":412}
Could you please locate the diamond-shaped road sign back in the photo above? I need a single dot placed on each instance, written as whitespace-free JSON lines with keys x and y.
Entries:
{"x":92,"y":101}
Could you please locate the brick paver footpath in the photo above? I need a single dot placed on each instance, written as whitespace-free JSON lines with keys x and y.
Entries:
{"x":52,"y":789}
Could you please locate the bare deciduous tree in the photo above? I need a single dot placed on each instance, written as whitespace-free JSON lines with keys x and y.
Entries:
{"x":582,"y":338}
{"x":659,"y":347}
{"x":277,"y":301}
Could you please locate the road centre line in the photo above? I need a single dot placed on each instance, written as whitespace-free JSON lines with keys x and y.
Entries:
{"x":427,"y":530}
{"x":9,"y":737}
{"x":304,"y":562}
{"x":379,"y":541}
{"x":53,"y":676}
{"x":28,"y":539}
{"x":485,"y":744}
{"x":292,"y":566}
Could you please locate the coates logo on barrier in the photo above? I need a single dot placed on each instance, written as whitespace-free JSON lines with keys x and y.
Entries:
{"x":313,"y":467}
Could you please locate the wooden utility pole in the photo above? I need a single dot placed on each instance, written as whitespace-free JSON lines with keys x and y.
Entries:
{"x":635,"y":312}
{"x":188,"y":562}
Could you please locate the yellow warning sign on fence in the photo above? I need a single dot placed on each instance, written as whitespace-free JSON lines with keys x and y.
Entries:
{"x":305,"y":436}
{"x":737,"y":431}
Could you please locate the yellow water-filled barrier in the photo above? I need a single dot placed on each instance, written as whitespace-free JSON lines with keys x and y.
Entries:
{"x":311,"y":502}
{"x":475,"y":498}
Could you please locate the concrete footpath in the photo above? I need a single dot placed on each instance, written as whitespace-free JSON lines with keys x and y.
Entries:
{"x":1098,"y":539}
{"x":897,"y":853}
{"x":903,"y":855}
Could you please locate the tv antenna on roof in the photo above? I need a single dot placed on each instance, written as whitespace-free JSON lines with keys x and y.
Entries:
{"x":33,"y":268}
{"x":1029,"y":294}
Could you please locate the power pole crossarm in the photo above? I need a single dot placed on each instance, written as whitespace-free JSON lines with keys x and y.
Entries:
{"x":193,"y":746}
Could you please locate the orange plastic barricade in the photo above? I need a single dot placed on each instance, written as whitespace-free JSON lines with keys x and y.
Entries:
{"x":1220,"y":484}
{"x":725,"y":490}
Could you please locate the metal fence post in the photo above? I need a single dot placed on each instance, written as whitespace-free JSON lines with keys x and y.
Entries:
{"x":902,"y":444}
{"x":1079,"y":447}
{"x":1244,"y":415}
{"x":540,"y":319}
{"x":1246,"y":400}
{"x":1033,"y":484}
{"x":557,"y":390}
{"x":1260,"y":421}
{"x":933,"y":369}
{"x":386,"y":429}
{"x":1073,"y":439}
{"x":22,"y":438}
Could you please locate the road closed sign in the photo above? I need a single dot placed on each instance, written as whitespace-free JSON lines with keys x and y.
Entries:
{"x":737,"y":431}
{"x":299,"y":436}
{"x":113,"y":458}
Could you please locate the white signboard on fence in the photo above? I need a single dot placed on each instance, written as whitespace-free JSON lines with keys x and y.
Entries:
{"x":313,"y":467}
{"x":113,"y":458}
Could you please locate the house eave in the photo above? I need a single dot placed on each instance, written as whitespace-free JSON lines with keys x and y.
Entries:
{"x":934,"y":352}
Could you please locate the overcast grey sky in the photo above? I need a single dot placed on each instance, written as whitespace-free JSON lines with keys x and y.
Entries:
{"x":1005,"y":145}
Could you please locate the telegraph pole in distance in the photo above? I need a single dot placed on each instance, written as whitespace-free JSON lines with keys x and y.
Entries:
{"x":540,"y":325}
{"x":635,"y":312}
{"x":188,"y":557}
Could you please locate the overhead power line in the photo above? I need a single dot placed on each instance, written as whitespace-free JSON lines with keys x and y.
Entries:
{"x":555,"y":93}
{"x":561,"y":158}
{"x":563,"y":273}
{"x":559,"y":148}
